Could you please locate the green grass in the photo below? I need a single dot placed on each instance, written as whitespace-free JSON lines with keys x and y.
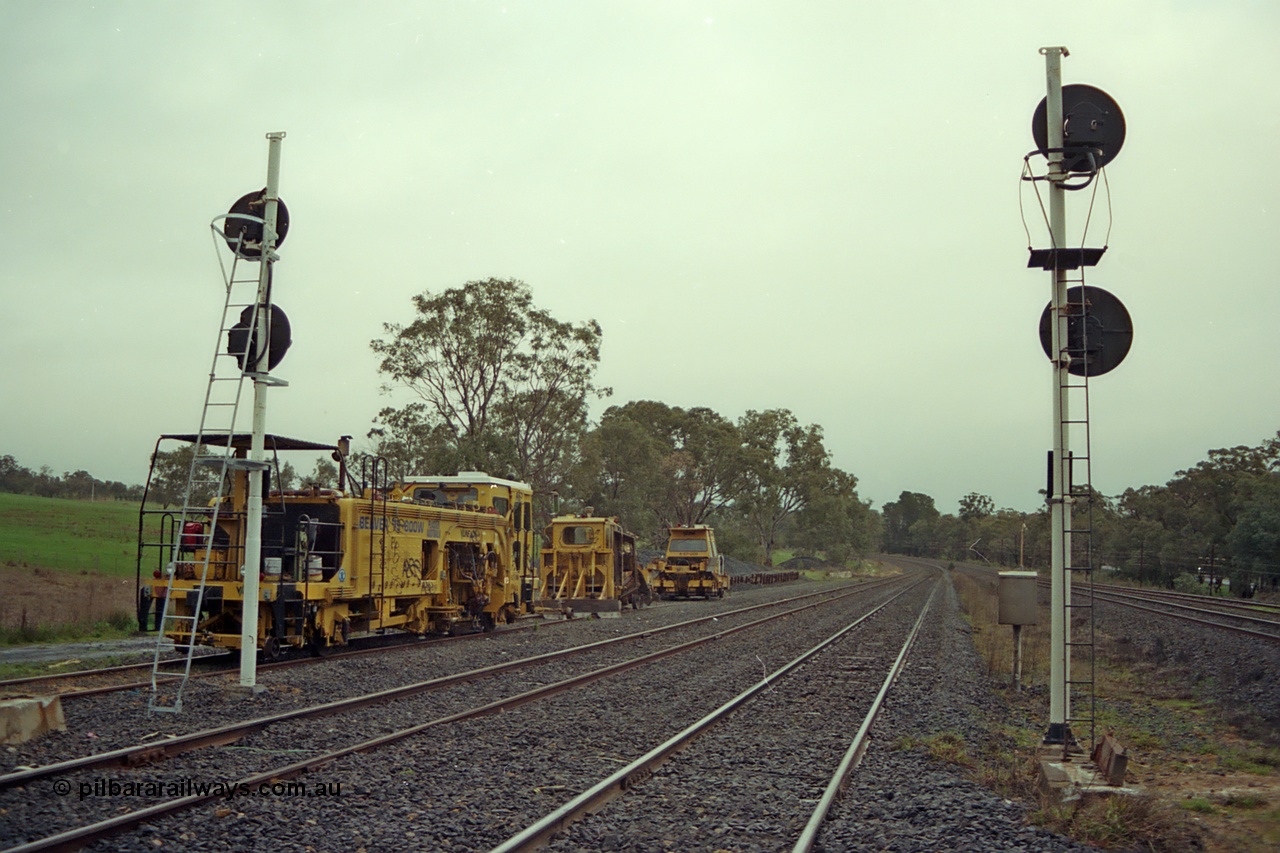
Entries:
{"x":67,"y":535}
{"x":1260,"y":761}
{"x":1244,"y":802}
{"x":114,"y":627}
{"x":1121,"y":823}
{"x":1199,"y":804}
{"x":781,"y":555}
{"x":948,"y":747}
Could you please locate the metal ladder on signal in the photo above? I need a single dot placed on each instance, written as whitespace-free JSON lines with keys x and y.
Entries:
{"x":212,"y":460}
{"x":1080,"y":634}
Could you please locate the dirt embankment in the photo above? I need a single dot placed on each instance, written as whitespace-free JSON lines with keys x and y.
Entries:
{"x":43,"y":597}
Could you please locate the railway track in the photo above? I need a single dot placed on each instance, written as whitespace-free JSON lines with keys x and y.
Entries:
{"x":1256,"y":620}
{"x":1222,"y":603}
{"x":717,"y":762}
{"x":71,"y":685}
{"x":1225,"y":619}
{"x":115,"y":721}
{"x":142,"y":753}
{"x":74,"y":773}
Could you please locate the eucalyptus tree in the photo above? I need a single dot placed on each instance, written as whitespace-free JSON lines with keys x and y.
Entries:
{"x":703,"y":468}
{"x":908,"y":522}
{"x":786,"y":467}
{"x":170,"y":472}
{"x":412,"y":441}
{"x":1199,"y":518}
{"x":500,"y":380}
{"x":1214,"y":492}
{"x":837,"y":522}
{"x":618,"y":472}
{"x":1255,"y":539}
{"x":324,"y":475}
{"x":696,"y":457}
{"x":974,"y":506}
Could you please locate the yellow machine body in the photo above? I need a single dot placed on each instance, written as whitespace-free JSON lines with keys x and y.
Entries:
{"x":426,"y":555}
{"x":692,"y":567}
{"x":589,"y":564}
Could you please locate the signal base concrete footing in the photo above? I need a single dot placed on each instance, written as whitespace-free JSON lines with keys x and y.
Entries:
{"x":1077,"y":778}
{"x":241,"y":691}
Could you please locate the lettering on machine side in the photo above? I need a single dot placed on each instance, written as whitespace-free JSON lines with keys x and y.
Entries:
{"x":398,"y":525}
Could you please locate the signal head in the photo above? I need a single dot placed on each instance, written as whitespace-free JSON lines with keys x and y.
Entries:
{"x":1091,"y":122}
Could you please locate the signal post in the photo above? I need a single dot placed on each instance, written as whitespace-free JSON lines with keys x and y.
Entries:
{"x":257,"y":447}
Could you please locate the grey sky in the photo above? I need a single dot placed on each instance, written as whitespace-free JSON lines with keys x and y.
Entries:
{"x":803,"y":205}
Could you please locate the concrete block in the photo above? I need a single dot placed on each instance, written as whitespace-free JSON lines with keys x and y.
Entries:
{"x":24,"y":718}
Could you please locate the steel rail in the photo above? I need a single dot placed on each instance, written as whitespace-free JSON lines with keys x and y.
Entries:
{"x":1164,"y":596}
{"x":1111,"y":598}
{"x":231,"y":661}
{"x":131,"y":756}
{"x":1114,"y":594}
{"x":539,"y":833}
{"x":1171,"y":611}
{"x":1258,"y":608}
{"x":858,"y":747}
{"x":226,"y":663}
{"x":229,"y":666}
{"x":80,"y":673}
{"x":74,"y":839}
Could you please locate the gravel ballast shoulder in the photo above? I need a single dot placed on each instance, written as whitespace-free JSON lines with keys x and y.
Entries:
{"x":900,"y":799}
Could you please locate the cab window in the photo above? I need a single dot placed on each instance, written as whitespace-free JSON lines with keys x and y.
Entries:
{"x":577,"y":535}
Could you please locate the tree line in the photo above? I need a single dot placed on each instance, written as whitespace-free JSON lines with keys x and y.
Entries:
{"x":1216,"y":523}
{"x":502,"y":386}
{"x":76,"y":485}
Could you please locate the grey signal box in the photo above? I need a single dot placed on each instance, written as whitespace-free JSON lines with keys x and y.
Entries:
{"x":1019,"y":598}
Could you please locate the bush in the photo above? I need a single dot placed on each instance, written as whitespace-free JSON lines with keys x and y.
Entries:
{"x":1187,"y":582}
{"x":122,"y":621}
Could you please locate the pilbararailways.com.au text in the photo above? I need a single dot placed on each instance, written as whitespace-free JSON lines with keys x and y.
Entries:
{"x":174,"y":788}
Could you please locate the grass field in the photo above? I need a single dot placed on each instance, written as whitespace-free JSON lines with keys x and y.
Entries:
{"x":67,"y":569}
{"x":68,"y":536}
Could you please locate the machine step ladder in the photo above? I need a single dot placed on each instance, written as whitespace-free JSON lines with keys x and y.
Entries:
{"x":376,"y":478}
{"x":213,"y":461}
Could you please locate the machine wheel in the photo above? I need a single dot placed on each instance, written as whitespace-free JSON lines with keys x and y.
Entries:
{"x":270,"y":650}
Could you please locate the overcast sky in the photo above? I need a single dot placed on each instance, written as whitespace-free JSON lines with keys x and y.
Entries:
{"x":812,"y":206}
